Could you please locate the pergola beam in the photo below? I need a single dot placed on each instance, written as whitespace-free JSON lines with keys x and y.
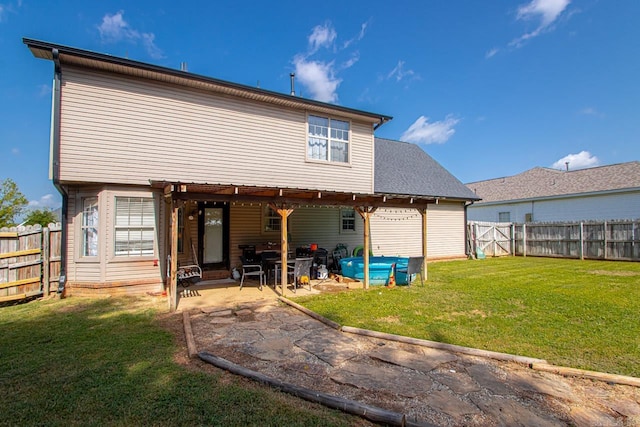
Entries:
{"x":424,"y":215}
{"x":173,"y":269}
{"x":366,"y":212}
{"x":284,"y":213}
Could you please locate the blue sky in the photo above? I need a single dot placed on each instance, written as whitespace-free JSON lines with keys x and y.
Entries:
{"x":487,"y":88}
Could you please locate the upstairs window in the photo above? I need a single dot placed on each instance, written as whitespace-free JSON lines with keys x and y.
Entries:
{"x":328,"y":139}
{"x":134,"y":226}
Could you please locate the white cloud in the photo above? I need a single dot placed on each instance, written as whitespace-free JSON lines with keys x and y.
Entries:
{"x":44,"y":90}
{"x":399,"y":72}
{"x":421,"y":131}
{"x":491,"y":53}
{"x":114,"y":29}
{"x":355,"y":57}
{"x":321,"y":36}
{"x":318,"y":77}
{"x":316,"y":69}
{"x":582,"y":160}
{"x":15,"y":151}
{"x":590,"y":111}
{"x":47,"y":201}
{"x":153,"y":50}
{"x":9,"y":8}
{"x":546,"y":11}
{"x":360,"y":36}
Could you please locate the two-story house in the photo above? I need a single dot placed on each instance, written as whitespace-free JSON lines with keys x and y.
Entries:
{"x":153,"y":162}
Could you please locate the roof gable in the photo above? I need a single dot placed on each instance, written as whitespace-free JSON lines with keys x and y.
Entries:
{"x":544,"y":182}
{"x":405,"y":168}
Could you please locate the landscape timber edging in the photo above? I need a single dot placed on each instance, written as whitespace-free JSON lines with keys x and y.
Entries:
{"x":310,"y":313}
{"x":528,"y":361}
{"x":368,"y":412}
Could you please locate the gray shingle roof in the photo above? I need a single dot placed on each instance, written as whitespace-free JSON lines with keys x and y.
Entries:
{"x":544,"y":182}
{"x":404,"y":168}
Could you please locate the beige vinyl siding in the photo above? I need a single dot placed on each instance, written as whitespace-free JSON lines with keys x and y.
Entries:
{"x":446,"y":228}
{"x":322,"y":226}
{"x":190,"y":244}
{"x":132,"y":268}
{"x":106,"y":268}
{"x":79,"y":269}
{"x":245,"y":228}
{"x":396,"y":232}
{"x":399,"y":231}
{"x":306,"y":225}
{"x":125,"y":130}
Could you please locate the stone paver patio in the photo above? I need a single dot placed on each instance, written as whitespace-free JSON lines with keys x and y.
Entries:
{"x":430,"y":386}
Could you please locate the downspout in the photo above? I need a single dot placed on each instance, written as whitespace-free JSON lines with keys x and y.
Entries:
{"x":55,"y":166}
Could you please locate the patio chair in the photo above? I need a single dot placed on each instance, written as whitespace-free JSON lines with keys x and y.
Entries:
{"x":321,"y":257}
{"x":413,"y":266}
{"x":300,"y":269}
{"x":337,"y":256}
{"x":251,"y":265}
{"x":268,"y":262}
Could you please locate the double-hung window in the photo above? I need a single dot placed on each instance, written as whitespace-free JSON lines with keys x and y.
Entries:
{"x":347,"y":220}
{"x":271,"y":219}
{"x":328,"y":139}
{"x":89,"y":227}
{"x":134,"y":226}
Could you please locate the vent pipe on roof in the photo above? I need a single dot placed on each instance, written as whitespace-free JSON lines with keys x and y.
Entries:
{"x":183,"y":66}
{"x":293,"y":87}
{"x":567,"y":165}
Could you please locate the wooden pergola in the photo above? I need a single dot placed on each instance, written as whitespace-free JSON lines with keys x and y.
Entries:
{"x":284,"y":201}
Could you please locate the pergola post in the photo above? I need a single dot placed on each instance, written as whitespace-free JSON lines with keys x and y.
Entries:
{"x":366,"y":212}
{"x":423,"y":214}
{"x":173,"y":269}
{"x":284,"y":213}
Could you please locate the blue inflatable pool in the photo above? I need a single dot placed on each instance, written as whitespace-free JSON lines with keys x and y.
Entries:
{"x":379,"y":269}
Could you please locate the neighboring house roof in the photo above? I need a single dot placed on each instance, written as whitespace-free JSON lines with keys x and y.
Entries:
{"x":114,"y":64}
{"x":405,"y":168}
{"x":538,"y":183}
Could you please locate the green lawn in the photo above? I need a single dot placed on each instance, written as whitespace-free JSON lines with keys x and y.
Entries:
{"x":581,"y":314}
{"x":111,"y":362}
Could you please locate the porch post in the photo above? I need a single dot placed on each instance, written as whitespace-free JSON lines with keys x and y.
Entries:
{"x":366,"y":213}
{"x":423,"y":213}
{"x":284,"y":244}
{"x":173,"y":286}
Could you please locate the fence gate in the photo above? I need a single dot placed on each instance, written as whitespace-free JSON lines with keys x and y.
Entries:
{"x":29,"y":261}
{"x":492,"y":238}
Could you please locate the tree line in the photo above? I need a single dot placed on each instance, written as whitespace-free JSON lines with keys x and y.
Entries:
{"x":14,"y":208}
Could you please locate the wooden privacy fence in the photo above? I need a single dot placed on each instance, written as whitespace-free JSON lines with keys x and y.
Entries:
{"x":29,"y":261}
{"x":610,"y":240}
{"x":489,"y":238}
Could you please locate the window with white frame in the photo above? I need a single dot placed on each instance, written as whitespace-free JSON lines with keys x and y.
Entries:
{"x":89,"y":227}
{"x":328,"y":139}
{"x":504,"y":216}
{"x":134,"y":226}
{"x":347,"y":220}
{"x":271,"y":219}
